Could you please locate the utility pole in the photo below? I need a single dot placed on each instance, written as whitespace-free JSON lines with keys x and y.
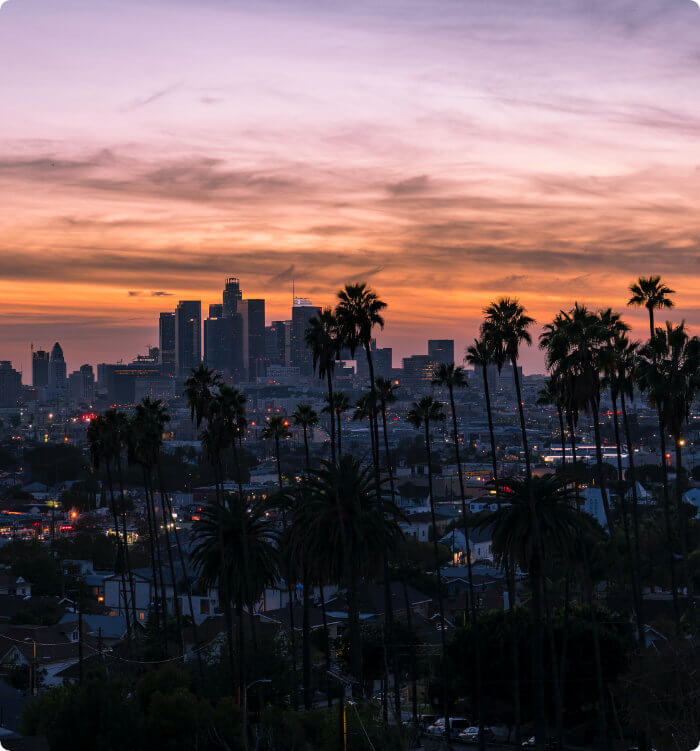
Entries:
{"x":80,"y":646}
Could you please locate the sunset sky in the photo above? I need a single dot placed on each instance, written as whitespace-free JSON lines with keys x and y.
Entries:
{"x":446,"y":151}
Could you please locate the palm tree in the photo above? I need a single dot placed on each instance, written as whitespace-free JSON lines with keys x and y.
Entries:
{"x":100,"y":439}
{"x":152,"y":418}
{"x":669,"y":374}
{"x":199,"y":389}
{"x":230,"y":407}
{"x":625,"y":357}
{"x":504,"y":328}
{"x":651,"y":293}
{"x":529,"y":540}
{"x":480,"y":355}
{"x":423,"y":414}
{"x":338,"y":404}
{"x":551,"y":395}
{"x":235,"y":549}
{"x":347,"y":531}
{"x":447,"y":376}
{"x":365,"y":409}
{"x":277,"y":429}
{"x":305,"y":417}
{"x":323,"y":339}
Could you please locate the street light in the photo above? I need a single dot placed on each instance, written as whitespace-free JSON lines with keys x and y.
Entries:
{"x":245,"y":707}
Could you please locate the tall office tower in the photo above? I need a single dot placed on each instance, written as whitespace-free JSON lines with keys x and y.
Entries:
{"x":232,"y":296}
{"x":417,"y":371}
{"x":57,"y":371}
{"x":188,"y":337}
{"x":40,"y":369}
{"x":275,"y":339}
{"x":166,"y":343}
{"x":302,"y":312}
{"x":81,"y":384}
{"x":441,"y":350}
{"x":223,"y":344}
{"x":10,"y":385}
{"x":253,"y":329}
{"x":381,"y":359}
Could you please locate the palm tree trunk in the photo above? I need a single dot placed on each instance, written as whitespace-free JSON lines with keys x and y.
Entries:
{"x":329,"y":379}
{"x":492,"y":435}
{"x":388,"y":605}
{"x":510,"y":577}
{"x":537,"y":653}
{"x":438,"y":575}
{"x":130,"y":572}
{"x":339,"y":432}
{"x":120,"y":548}
{"x":152,"y":550}
{"x":173,"y":579}
{"x":635,"y":522}
{"x":188,"y":584}
{"x":390,"y":471}
{"x":683,"y":526}
{"x":159,"y":560}
{"x":562,"y":667}
{"x":625,"y":518}
{"x":669,"y":529}
{"x":556,"y":685}
{"x":562,"y":433}
{"x":523,"y":430}
{"x":471,"y":608}
{"x":279,"y":462}
{"x":326,"y":645}
{"x":651,"y":322}
{"x":306,"y":641}
{"x":594,"y":408}
{"x":306,"y":450}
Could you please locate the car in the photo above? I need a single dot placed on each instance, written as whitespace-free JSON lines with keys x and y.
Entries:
{"x":456,"y":724}
{"x":471,"y":735}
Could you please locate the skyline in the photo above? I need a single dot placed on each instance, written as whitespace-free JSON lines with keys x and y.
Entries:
{"x":446,"y":154}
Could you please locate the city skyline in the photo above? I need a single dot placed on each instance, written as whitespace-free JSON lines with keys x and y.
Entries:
{"x":438,"y":152}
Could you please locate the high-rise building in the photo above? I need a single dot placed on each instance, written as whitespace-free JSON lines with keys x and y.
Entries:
{"x":216,"y":310}
{"x":166,"y":343}
{"x":10,"y":385}
{"x":417,"y":371}
{"x":232,"y":297}
{"x":275,"y":343}
{"x":302,"y":312}
{"x":81,"y":384}
{"x":253,"y":329}
{"x":188,"y":337}
{"x":223,"y":343}
{"x":57,"y":372}
{"x":381,"y":359}
{"x":40,"y":369}
{"x":441,"y":350}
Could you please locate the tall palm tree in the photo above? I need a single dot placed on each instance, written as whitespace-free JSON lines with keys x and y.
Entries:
{"x":651,"y":293}
{"x":505,"y":328}
{"x":338,"y":404}
{"x":423,"y":414}
{"x":235,"y":549}
{"x":199,"y":389}
{"x":480,"y":356}
{"x":450,"y":377}
{"x":323,"y":338}
{"x":669,"y":374}
{"x":152,"y":418}
{"x":306,"y":418}
{"x":551,"y":395}
{"x":347,"y":531}
{"x":528,"y":540}
{"x":625,"y":357}
{"x":276,"y":430}
{"x":230,"y":407}
{"x":100,"y":439}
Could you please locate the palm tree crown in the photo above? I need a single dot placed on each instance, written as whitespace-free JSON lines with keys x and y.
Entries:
{"x":358,"y":311}
{"x":505,"y":327}
{"x":425,"y":411}
{"x":650,"y":292}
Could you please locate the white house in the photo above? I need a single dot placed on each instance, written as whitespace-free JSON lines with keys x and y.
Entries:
{"x":593,"y":505}
{"x":14,"y":585}
{"x":643,"y":495}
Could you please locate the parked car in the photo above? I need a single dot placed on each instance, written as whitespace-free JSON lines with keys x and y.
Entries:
{"x":471,"y":735}
{"x":457,"y":724}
